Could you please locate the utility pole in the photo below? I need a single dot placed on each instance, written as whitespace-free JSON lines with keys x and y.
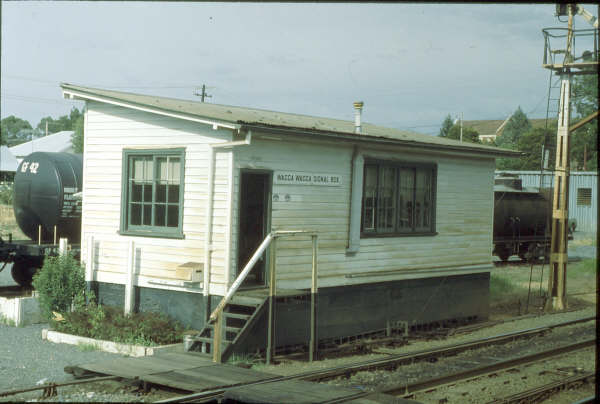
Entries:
{"x":557,"y":280}
{"x":203,"y":93}
{"x":461,"y":125}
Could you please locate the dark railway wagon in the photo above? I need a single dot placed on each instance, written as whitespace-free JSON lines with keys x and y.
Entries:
{"x":522,"y":218}
{"x":46,"y":208}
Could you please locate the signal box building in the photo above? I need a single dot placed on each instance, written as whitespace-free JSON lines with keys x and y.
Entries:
{"x":177,"y":196}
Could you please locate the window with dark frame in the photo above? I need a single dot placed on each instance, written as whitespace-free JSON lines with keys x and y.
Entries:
{"x":152,"y":192}
{"x":398,"y":199}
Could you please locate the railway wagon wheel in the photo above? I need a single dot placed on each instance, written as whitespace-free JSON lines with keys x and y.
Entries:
{"x":22,"y":272}
{"x":502,"y":252}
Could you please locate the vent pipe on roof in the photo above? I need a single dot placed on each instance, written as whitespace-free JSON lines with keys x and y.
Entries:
{"x":357,"y":113}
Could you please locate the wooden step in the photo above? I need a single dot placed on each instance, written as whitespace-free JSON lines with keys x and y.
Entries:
{"x":246,"y":301}
{"x":236,"y":315}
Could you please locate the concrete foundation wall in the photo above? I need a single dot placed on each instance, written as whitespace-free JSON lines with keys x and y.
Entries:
{"x":354,"y":310}
{"x":187,"y":308}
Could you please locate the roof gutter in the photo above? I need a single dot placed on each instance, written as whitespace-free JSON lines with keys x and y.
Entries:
{"x":74,"y":94}
{"x":379,"y":140}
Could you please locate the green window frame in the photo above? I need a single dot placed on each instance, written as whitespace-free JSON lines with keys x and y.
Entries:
{"x":152,"y":192}
{"x":398,"y":199}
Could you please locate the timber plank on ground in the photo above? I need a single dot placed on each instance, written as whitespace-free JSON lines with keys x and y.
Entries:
{"x":298,"y":391}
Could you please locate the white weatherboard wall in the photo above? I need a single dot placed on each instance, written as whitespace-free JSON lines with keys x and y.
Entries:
{"x":464,"y":212}
{"x":109,"y":130}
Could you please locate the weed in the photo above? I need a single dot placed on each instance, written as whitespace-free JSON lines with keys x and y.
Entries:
{"x":85,"y":347}
{"x":6,"y":194}
{"x":7,"y":321}
{"x":244,"y":359}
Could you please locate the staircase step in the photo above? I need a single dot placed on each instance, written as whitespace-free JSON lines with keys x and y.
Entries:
{"x":246,"y":301}
{"x":203,"y":339}
{"x":237,"y":316}
{"x":233,"y":329}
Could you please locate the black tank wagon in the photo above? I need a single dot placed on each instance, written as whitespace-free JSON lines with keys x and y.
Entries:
{"x":522,"y":219}
{"x":46,"y":208}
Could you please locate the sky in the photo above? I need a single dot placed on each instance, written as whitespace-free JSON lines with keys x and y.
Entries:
{"x":411,"y":64}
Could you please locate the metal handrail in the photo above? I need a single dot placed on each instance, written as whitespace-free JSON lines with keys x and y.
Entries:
{"x":255,"y":257}
{"x":217,"y":312}
{"x":241,"y":277}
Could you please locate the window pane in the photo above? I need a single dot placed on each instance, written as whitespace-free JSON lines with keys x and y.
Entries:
{"x":423,"y":200}
{"x":142,"y":168}
{"x":369,"y":197}
{"x":136,"y":192}
{"x":147,"y":193}
{"x":405,"y":199}
{"x":136,"y":214}
{"x":174,"y":170}
{"x":386,"y":210}
{"x":160,"y":215}
{"x":163,"y":169}
{"x":161,"y":192}
{"x":147,"y":214}
{"x":173,"y":193}
{"x":173,"y":216}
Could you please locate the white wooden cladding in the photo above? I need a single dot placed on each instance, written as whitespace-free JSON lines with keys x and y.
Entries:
{"x":109,"y":130}
{"x":464,"y":203}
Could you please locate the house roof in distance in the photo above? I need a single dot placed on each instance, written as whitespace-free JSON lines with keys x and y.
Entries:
{"x":236,"y":117}
{"x":8,"y":162}
{"x":56,"y":142}
{"x":489,"y":127}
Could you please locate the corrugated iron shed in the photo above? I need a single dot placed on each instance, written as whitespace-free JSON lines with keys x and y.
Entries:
{"x":56,"y":142}
{"x":8,"y":162}
{"x":275,"y":120}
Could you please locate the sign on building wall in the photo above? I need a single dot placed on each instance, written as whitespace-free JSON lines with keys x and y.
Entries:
{"x":303,"y":178}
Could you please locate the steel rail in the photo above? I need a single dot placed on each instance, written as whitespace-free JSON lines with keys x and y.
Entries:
{"x":540,"y":391}
{"x":392,"y":361}
{"x":409,"y":390}
{"x":55,"y":385}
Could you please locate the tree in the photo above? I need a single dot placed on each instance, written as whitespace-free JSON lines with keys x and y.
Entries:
{"x":65,"y":122}
{"x":10,"y":127}
{"x":517,"y":125}
{"x":77,"y":136}
{"x":584,"y":141}
{"x":469,"y":134}
{"x":446,"y":126}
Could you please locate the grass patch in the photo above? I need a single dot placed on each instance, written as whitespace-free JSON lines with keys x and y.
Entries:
{"x":582,"y":268}
{"x":501,"y":287}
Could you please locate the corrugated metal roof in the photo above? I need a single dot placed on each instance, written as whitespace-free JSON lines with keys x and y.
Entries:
{"x":273,"y":119}
{"x":56,"y":142}
{"x":8,"y":162}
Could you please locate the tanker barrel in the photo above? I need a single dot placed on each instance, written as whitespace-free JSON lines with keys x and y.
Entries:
{"x":44,"y":188}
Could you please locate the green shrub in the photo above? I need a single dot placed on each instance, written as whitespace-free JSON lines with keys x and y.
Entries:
{"x":110,"y":324}
{"x":60,"y":284}
{"x":6,"y":194}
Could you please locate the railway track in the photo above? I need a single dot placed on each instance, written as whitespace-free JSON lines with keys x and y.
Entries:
{"x":394,"y":361}
{"x":391,"y":362}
